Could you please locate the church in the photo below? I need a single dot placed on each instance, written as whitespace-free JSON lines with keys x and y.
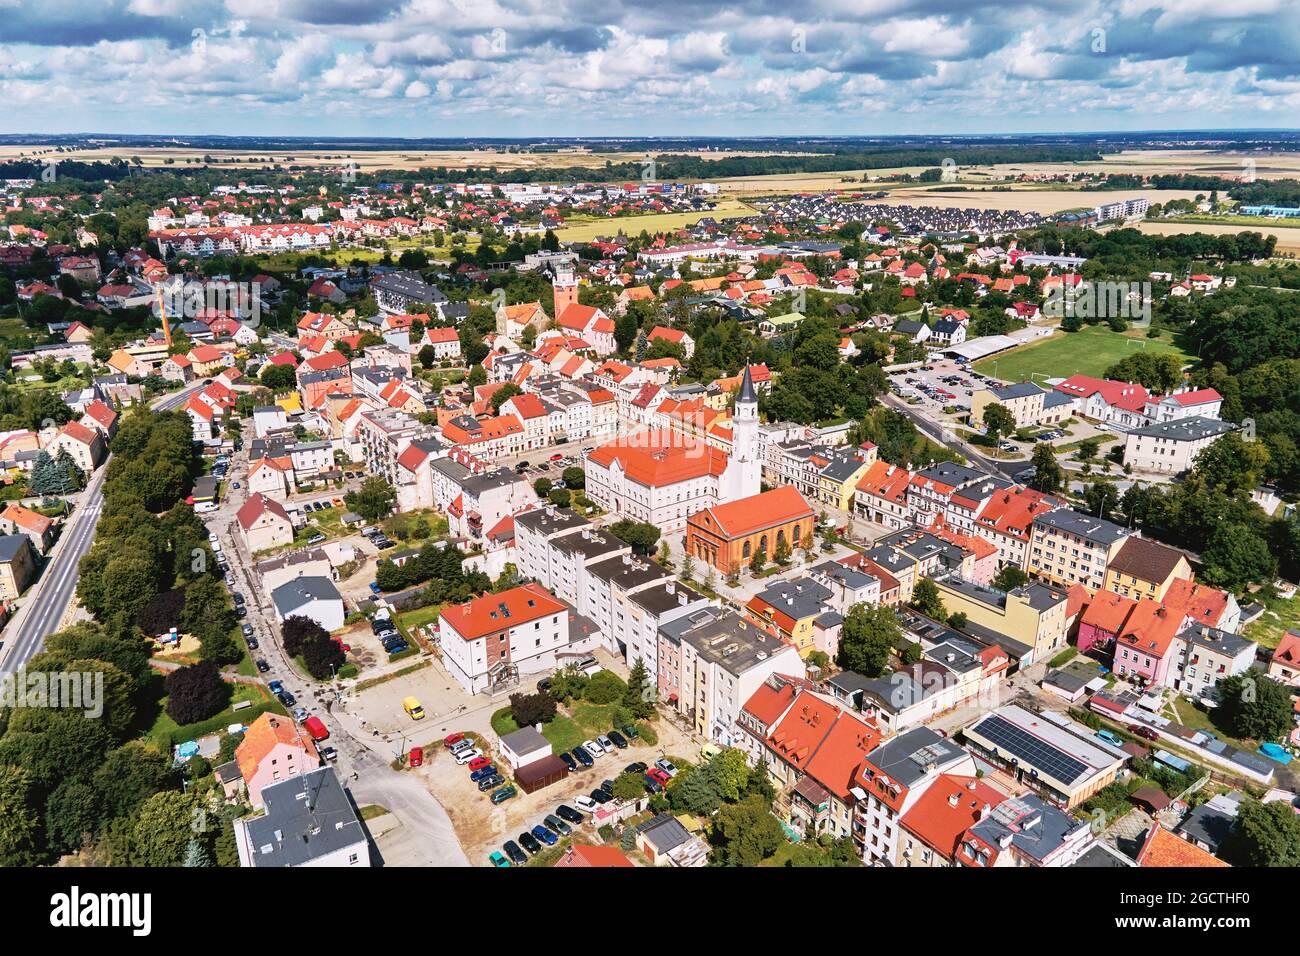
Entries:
{"x":662,"y":477}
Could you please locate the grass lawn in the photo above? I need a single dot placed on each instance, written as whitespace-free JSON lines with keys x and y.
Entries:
{"x":419,"y":617}
{"x":164,"y":728}
{"x":563,"y":733}
{"x":503,"y":722}
{"x":1089,"y":351}
{"x":1281,"y":615}
{"x":370,"y":811}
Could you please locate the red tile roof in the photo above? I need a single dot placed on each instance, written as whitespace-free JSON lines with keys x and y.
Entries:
{"x":493,"y":613}
{"x":947,"y":809}
{"x":764,"y":510}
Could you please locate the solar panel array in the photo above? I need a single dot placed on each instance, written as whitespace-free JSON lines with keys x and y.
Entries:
{"x":1007,"y":737}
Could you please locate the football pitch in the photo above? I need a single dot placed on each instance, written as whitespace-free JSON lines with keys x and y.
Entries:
{"x":1089,"y":351}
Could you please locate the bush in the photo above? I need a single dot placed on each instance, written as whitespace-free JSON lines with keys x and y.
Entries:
{"x":605,"y":688}
{"x":648,"y":735}
{"x":530,"y":709}
{"x":298,"y":631}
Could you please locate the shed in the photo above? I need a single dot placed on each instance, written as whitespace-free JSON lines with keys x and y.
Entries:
{"x":524,"y":746}
{"x":1152,"y":798}
{"x":541,"y":773}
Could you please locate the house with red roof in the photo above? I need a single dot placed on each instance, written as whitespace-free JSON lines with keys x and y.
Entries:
{"x":1103,"y":400}
{"x":936,"y":823}
{"x":264,"y":523}
{"x":591,"y":324}
{"x":675,"y":336}
{"x":497,"y":638}
{"x":728,"y":534}
{"x":1284,"y":665}
{"x":15,"y":519}
{"x":445,"y":342}
{"x":86,"y":445}
{"x":101,"y":417}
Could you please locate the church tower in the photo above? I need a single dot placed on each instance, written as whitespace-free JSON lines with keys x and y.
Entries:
{"x":744,"y":473}
{"x":565,"y":286}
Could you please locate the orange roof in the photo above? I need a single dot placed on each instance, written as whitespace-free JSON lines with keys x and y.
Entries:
{"x":1151,"y":627}
{"x":796,"y":738}
{"x":1108,"y":611}
{"x":26,"y":518}
{"x":328,"y":360}
{"x":840,"y":754}
{"x":1200,"y":602}
{"x":522,"y":312}
{"x":885,"y":480}
{"x":1288,"y":649}
{"x":768,"y":703}
{"x":947,"y":809}
{"x":257,"y":505}
{"x":264,"y":735}
{"x":764,"y":510}
{"x":1012,"y":512}
{"x":492,"y":613}
{"x":580,"y":854}
{"x":79,"y":432}
{"x":436,"y":336}
{"x":576,"y":317}
{"x":658,"y":457}
{"x":1164,"y":849}
{"x":205,"y":354}
{"x":101,"y":413}
{"x":663,"y":332}
{"x":527,"y":405}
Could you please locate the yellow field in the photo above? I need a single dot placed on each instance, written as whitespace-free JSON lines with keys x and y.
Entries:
{"x":586,"y":230}
{"x":1288,"y":239}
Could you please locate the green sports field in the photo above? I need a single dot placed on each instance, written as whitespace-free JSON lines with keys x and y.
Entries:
{"x":1089,"y":351}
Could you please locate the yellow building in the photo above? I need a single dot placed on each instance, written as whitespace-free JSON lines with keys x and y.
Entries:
{"x":1146,"y":569}
{"x":790,"y":609}
{"x":1034,"y":615}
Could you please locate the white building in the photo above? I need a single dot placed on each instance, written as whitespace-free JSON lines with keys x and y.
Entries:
{"x":490,"y":642}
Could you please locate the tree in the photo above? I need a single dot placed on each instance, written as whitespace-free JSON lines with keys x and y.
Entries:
{"x":195,"y":693}
{"x":867,"y":636}
{"x":1010,"y":578}
{"x":574,"y":477}
{"x":998,"y":421}
{"x":530,"y":709}
{"x":560,"y":497}
{"x":729,"y":772}
{"x":507,"y":391}
{"x":1101,"y":498}
{"x":477,"y":376}
{"x":746,"y":833}
{"x":926,"y":599}
{"x":428,"y":355}
{"x":639,"y":696}
{"x":20,"y":827}
{"x":758,"y":560}
{"x":323,"y":657}
{"x":629,"y":786}
{"x":958,"y":620}
{"x":373,"y":500}
{"x":1236,"y":556}
{"x":641,"y":535}
{"x":695,"y":792}
{"x":278,"y":378}
{"x":72,"y":816}
{"x":605,"y":687}
{"x":542,"y":487}
{"x":1049,"y":476}
{"x":298,"y":631}
{"x":1255,"y":706}
{"x":1264,"y":835}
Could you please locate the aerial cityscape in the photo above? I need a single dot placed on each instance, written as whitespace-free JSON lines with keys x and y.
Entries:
{"x":642,"y":437}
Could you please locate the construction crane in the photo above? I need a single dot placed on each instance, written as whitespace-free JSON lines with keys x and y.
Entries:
{"x":162,"y":311}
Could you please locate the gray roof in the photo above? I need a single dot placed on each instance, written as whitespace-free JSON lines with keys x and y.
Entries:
{"x":525,"y":740}
{"x":624,"y":570}
{"x":1015,"y":390}
{"x":1207,"y":824}
{"x":292,"y":595}
{"x":11,"y":545}
{"x":747,"y":393}
{"x":307,"y":817}
{"x":800,"y":598}
{"x":665,"y":832}
{"x":950,"y":473}
{"x":549,"y":520}
{"x":1034,"y":827}
{"x":849,"y":682}
{"x":1185,"y":429}
{"x":724,"y":638}
{"x":908,"y":757}
{"x":1213,"y":639}
{"x":850,"y":578}
{"x":1097,"y":530}
{"x":590,"y":543}
{"x":500,"y":478}
{"x":664,"y":596}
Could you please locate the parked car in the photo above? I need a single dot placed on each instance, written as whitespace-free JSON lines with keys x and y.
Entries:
{"x":584,"y":758}
{"x":544,"y":684}
{"x":247,"y":630}
{"x":619,"y":740}
{"x":1146,"y":733}
{"x":299,"y":714}
{"x":498,"y":860}
{"x":631,"y":732}
{"x":1113,"y":739}
{"x":374,"y":587}
{"x":566,"y":812}
{"x":517,"y":856}
{"x":530,"y":843}
{"x":465,"y":756}
{"x":666,"y":765}
{"x":262,"y":665}
{"x":252,"y":643}
{"x":481,"y":772}
{"x":637,"y":767}
{"x":451,"y":739}
{"x":658,"y":774}
{"x":569,"y":761}
{"x":504,"y":794}
{"x":586,"y":804}
{"x":652,"y":785}
{"x":593,"y":748}
{"x":287,"y":699}
{"x":606,"y":744}
{"x":276,"y":687}
{"x":557,"y":826}
{"x":490,"y":783}
{"x":545,"y":835}
{"x":329,"y":753}
{"x":601,"y":796}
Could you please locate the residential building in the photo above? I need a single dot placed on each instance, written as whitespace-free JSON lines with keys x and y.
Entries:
{"x":17,"y":564}
{"x":1206,"y":655}
{"x":935,"y":824}
{"x":1028,"y":404}
{"x":789,"y":610}
{"x":15,"y":519}
{"x":1284,"y":664}
{"x":264,"y":523}
{"x":1025,"y":831}
{"x":491,"y":641}
{"x":1171,"y":447}
{"x":1034,"y":615}
{"x":310,"y":596}
{"x":309,"y":821}
{"x":1146,"y":568}
{"x":1067,"y":547}
{"x":273,"y":749}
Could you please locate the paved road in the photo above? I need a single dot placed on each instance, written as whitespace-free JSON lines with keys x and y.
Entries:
{"x":44,"y":608}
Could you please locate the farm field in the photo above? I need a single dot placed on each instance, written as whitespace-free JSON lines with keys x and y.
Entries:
{"x":585,"y":231}
{"x":1087,"y":352}
{"x":1288,"y":239}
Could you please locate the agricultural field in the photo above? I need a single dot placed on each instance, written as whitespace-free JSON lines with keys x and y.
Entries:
{"x":1089,"y":351}
{"x":1288,"y":239}
{"x":586,"y":230}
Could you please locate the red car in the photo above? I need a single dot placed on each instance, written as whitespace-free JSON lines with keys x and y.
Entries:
{"x":417,"y":757}
{"x":557,"y":457}
{"x":452,"y":739}
{"x":659,"y":775}
{"x":1146,"y":733}
{"x":478,"y":763}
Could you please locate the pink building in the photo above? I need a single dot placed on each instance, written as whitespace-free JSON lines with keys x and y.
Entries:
{"x":1102,"y":620}
{"x":273,"y":749}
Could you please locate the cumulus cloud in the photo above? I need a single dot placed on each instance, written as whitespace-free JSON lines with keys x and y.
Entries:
{"x":618,"y":66}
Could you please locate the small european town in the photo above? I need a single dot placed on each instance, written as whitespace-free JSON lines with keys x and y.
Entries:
{"x":529,"y":436}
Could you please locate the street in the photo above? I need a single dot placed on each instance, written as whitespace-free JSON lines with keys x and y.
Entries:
{"x":44,"y":606}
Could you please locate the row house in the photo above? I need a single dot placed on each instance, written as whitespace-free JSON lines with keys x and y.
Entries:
{"x":488,"y":438}
{"x":384,"y":434}
{"x":1067,"y":547}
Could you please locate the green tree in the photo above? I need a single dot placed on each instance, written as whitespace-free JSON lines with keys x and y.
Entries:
{"x":20,"y":827}
{"x":629,"y":786}
{"x":998,"y":421}
{"x":1010,"y":578}
{"x":639,"y":696}
{"x":867,"y":636}
{"x":1236,"y":556}
{"x":373,"y":500}
{"x":1255,"y":706}
{"x":745,"y":833}
{"x":1264,"y":835}
{"x":1049,"y":476}
{"x":927,"y":600}
{"x":605,"y":687}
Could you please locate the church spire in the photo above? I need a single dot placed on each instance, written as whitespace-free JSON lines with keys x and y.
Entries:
{"x":747,"y":393}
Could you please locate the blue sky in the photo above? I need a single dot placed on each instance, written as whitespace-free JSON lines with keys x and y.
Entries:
{"x":611,"y":67}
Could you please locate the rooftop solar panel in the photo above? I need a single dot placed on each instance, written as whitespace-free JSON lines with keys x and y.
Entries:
{"x":1023,"y":745}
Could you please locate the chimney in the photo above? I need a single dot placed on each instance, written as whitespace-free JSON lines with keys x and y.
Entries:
{"x":952,"y":800}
